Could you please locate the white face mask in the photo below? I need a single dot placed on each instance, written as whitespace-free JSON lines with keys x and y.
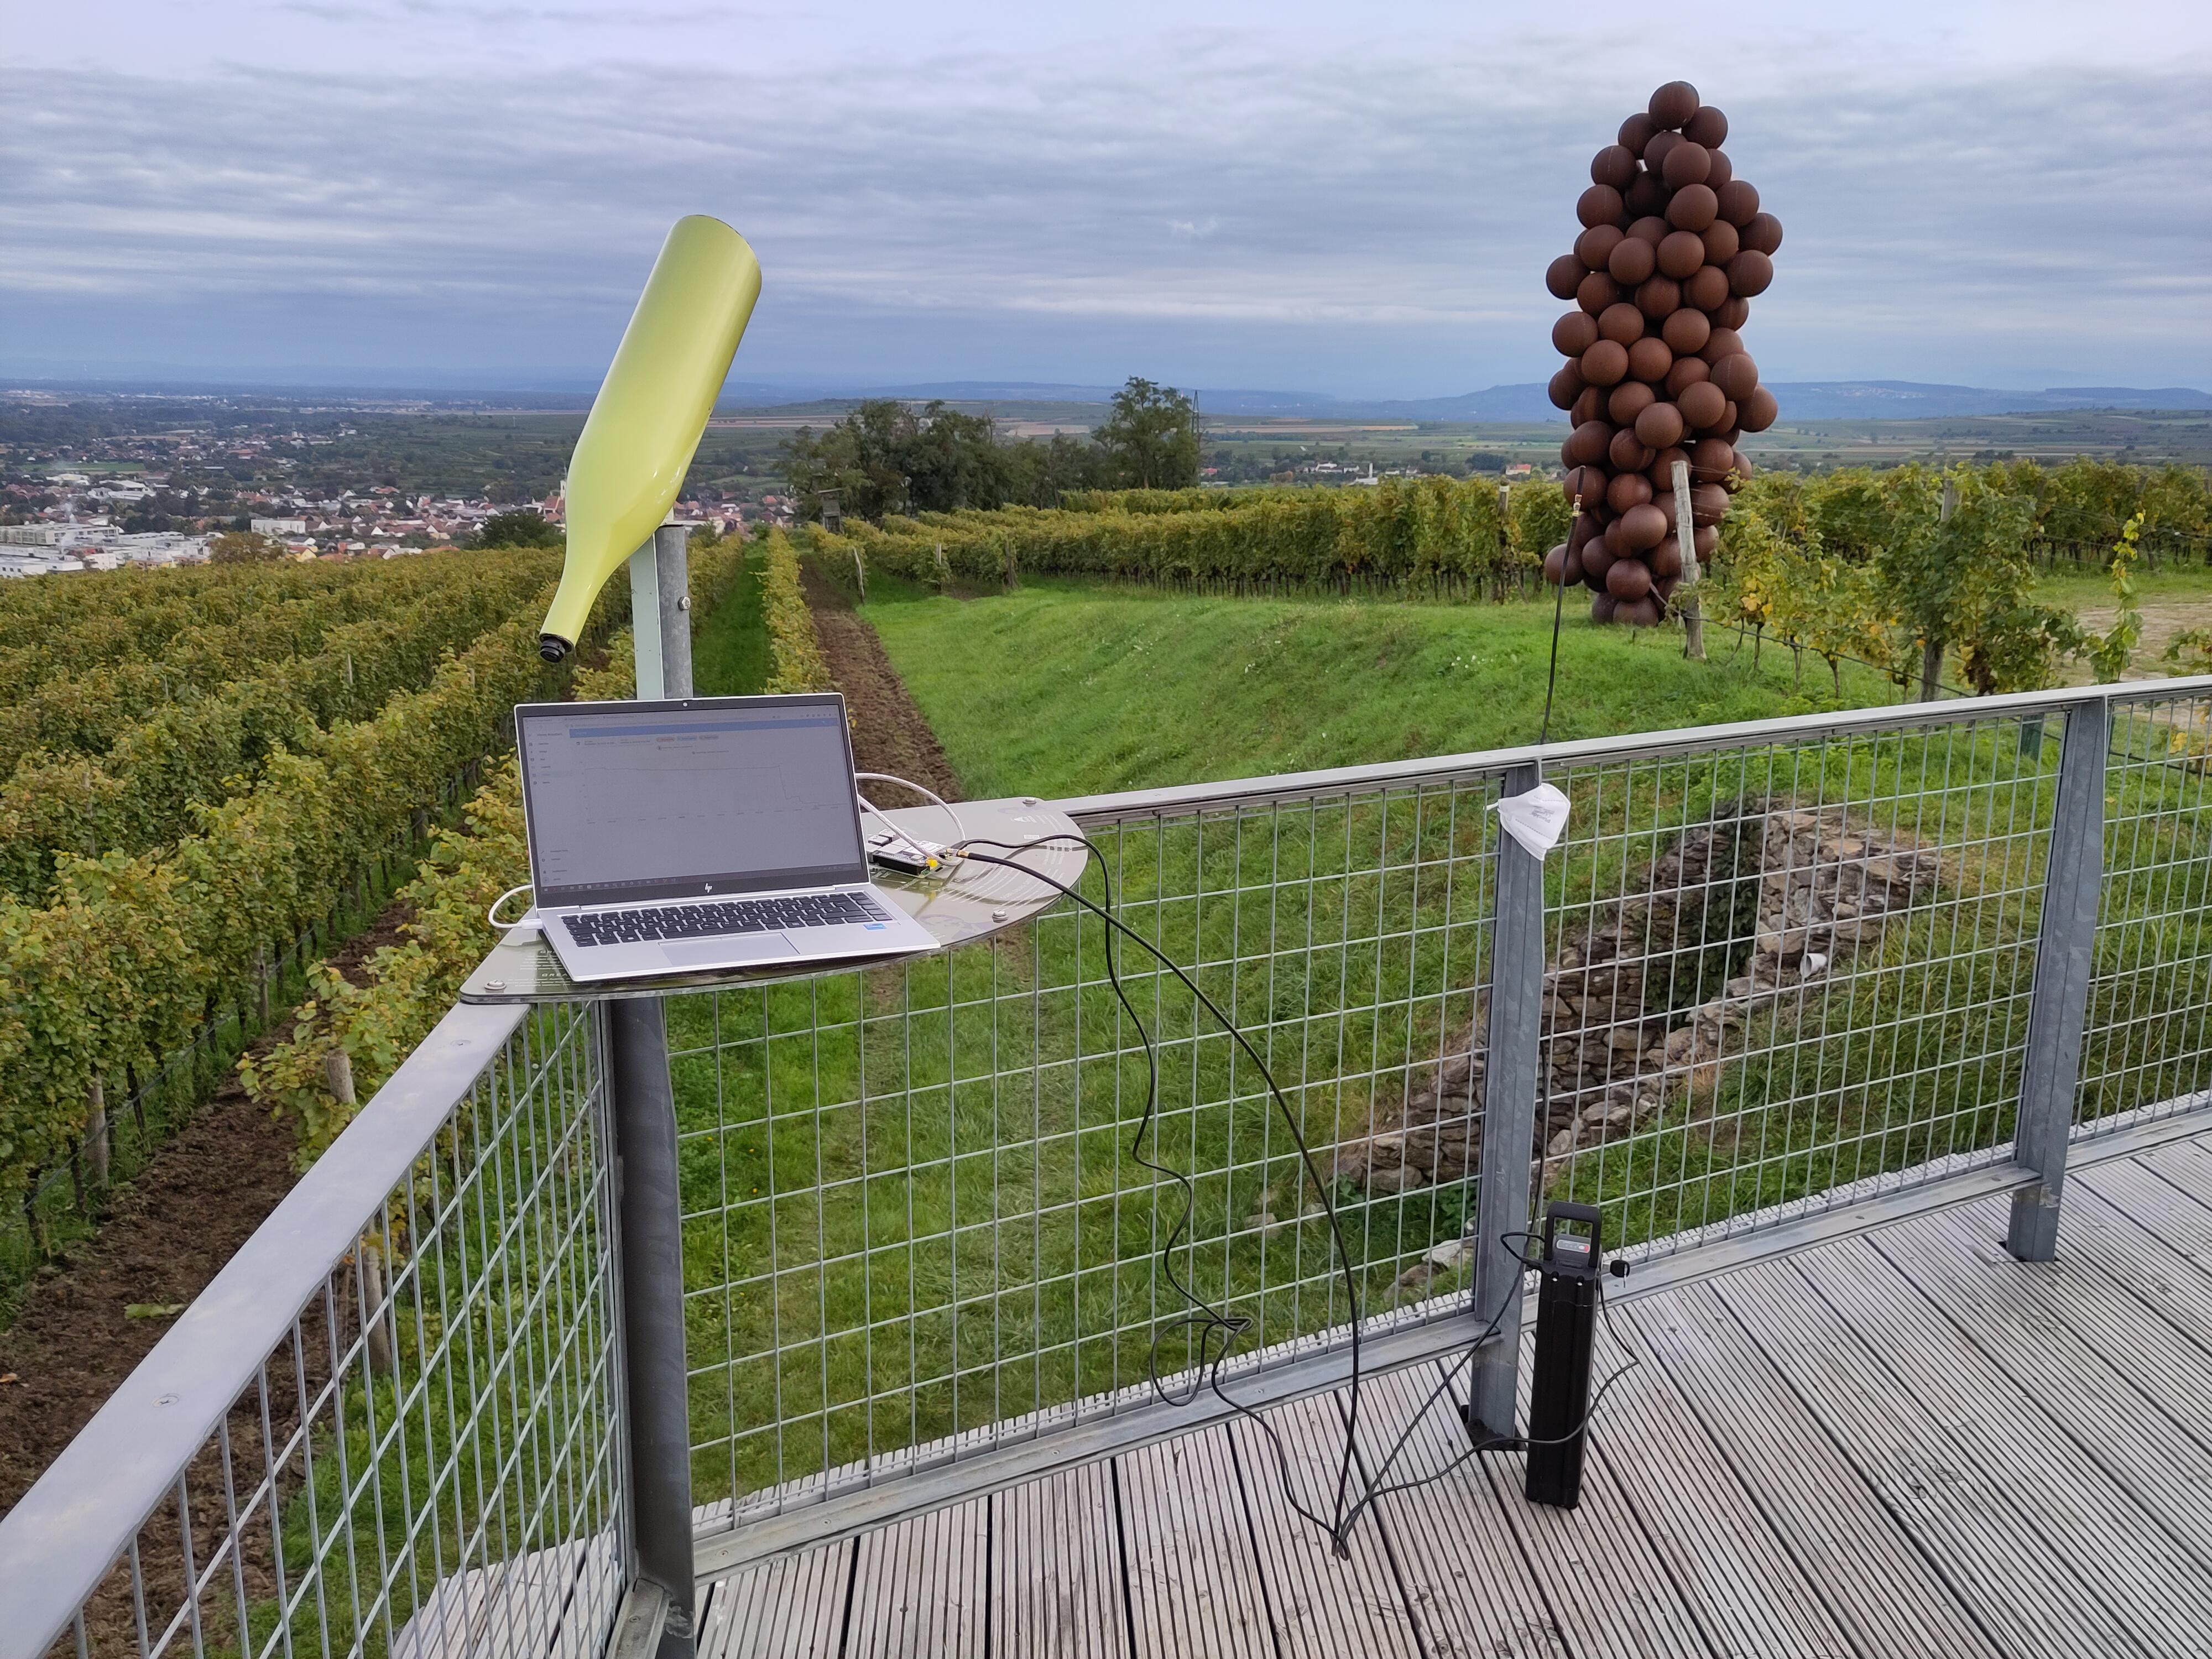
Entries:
{"x":1536,"y":820}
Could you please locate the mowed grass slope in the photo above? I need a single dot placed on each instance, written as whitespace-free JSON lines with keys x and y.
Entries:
{"x":1061,"y":689}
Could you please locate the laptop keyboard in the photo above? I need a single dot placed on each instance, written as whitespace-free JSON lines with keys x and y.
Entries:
{"x":717,"y":921}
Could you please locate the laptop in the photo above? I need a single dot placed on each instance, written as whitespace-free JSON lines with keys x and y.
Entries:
{"x":685,"y":837}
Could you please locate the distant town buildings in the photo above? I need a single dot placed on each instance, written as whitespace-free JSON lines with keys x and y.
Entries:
{"x":159,"y":496}
{"x":39,"y":550}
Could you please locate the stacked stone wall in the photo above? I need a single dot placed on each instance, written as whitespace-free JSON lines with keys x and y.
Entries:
{"x":1649,"y":994}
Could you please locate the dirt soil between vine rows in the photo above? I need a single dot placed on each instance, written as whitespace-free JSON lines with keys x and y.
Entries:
{"x":890,"y":733}
{"x":164,"y":1236}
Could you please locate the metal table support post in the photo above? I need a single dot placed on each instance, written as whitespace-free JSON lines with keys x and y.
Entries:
{"x":2065,"y":952}
{"x":1509,"y":1121}
{"x":650,"y":1209}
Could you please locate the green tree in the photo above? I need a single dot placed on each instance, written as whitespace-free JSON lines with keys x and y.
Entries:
{"x":2016,"y":645}
{"x":1924,"y":558}
{"x":1972,"y":588}
{"x":886,"y":458}
{"x":1538,"y":519}
{"x":953,"y":460}
{"x":1845,"y":617}
{"x":1151,"y":437}
{"x":1750,"y":578}
{"x":1853,"y":510}
{"x":519,"y":527}
{"x":858,"y":456}
{"x":244,"y":547}
{"x":1040,"y":472}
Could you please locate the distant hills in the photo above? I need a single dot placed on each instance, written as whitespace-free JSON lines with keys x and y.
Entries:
{"x":1801,"y":400}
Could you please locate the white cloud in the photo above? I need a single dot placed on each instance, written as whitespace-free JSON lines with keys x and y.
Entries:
{"x":1376,"y":217}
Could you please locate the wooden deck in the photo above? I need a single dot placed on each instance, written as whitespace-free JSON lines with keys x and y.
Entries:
{"x":1901,"y":1443}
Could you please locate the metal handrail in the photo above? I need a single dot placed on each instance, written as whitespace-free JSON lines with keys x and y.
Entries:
{"x":1124,"y":805}
{"x":88,"y":1506}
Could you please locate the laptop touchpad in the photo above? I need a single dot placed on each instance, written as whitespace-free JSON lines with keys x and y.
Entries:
{"x":729,"y":951}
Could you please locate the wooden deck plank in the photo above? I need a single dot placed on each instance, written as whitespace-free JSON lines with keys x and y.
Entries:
{"x":793,"y":1607}
{"x":1056,"y":1569}
{"x":1745,"y":1590}
{"x":1908,"y":1443}
{"x":2091,"y":1395}
{"x":2121,"y":1551}
{"x":1459,"y":1563}
{"x":543,"y":1602}
{"x":1193,"y":1576}
{"x":2081,"y":1290}
{"x":1320,"y":1605}
{"x":1882,"y":1588}
{"x":919,"y":1586}
{"x":2112,"y":1205}
{"x":2186,"y":1163}
{"x":1605,"y":1584}
{"x":2162,"y":1189}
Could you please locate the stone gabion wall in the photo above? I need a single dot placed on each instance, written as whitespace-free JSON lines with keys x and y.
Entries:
{"x":1645,"y":1002}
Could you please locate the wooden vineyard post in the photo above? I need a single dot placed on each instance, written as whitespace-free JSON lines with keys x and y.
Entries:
{"x":1931,"y":650}
{"x":1693,"y":621}
{"x":1505,"y":564}
{"x":861,"y":574}
{"x":95,"y":1133}
{"x":943,"y":570}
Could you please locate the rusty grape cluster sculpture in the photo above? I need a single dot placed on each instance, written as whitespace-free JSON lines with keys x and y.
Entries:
{"x":1672,"y":251}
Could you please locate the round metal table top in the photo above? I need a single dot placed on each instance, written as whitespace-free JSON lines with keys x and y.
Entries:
{"x":969,"y":901}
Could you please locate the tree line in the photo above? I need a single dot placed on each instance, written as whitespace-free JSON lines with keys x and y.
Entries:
{"x":886,"y":458}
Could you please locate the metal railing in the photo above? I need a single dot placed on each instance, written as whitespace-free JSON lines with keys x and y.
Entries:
{"x":391,"y":1424}
{"x":1775,"y":976}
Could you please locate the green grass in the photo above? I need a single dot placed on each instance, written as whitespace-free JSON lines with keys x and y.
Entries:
{"x":729,"y":651}
{"x":1059,"y":689}
{"x":2070,"y":589}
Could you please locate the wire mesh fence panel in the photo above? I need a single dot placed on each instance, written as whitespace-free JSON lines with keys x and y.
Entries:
{"x":928,"y":1201}
{"x":1044,"y":1190}
{"x":430,"y":1461}
{"x":2148,"y":1046}
{"x":1790,"y":967}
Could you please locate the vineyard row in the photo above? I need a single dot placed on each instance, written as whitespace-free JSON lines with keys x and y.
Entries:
{"x":132,"y":952}
{"x":49,"y":629}
{"x":194,"y":752}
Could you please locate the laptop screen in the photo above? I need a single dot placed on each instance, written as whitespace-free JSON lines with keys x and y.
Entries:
{"x":677,"y":799}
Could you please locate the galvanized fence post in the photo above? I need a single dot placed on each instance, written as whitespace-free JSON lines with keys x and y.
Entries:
{"x":2065,"y":950}
{"x":650,"y":1208}
{"x":1514,"y":1040}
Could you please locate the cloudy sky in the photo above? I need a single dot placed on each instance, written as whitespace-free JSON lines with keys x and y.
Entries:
{"x":1354,"y":199}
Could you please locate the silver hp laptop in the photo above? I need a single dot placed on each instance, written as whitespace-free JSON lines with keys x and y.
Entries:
{"x":716,"y":832}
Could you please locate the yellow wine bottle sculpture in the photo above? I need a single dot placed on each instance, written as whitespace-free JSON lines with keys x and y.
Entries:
{"x":652,"y":408}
